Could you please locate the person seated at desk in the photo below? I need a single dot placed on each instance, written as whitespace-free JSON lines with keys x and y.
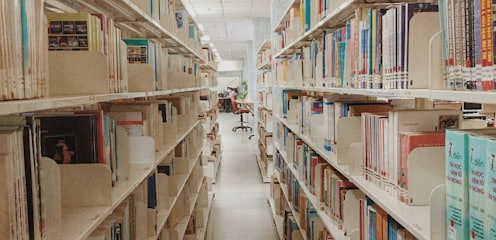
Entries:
{"x":229,"y":99}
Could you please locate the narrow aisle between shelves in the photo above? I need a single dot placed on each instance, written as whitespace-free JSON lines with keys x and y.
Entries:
{"x":240,"y":208}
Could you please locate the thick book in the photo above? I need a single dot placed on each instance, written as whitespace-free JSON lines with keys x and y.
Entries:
{"x":490,"y":190}
{"x":73,"y":31}
{"x":457,"y":182}
{"x":477,"y":161}
{"x":69,"y":139}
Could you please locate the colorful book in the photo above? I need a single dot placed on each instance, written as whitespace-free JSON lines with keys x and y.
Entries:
{"x":476,"y":183}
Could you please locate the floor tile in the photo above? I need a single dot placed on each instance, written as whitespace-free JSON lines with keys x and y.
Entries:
{"x":240,"y":208}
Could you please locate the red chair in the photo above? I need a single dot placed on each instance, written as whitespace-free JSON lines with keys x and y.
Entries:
{"x":240,"y":112}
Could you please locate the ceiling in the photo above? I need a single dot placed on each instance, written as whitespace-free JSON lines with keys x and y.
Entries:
{"x":228,"y":23}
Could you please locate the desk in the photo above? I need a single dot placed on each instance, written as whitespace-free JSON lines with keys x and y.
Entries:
{"x":225,"y":104}
{"x":247,"y":104}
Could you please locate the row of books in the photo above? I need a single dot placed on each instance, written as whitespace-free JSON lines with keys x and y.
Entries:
{"x":470,"y":184}
{"x":348,"y":208}
{"x":264,"y":57}
{"x":389,"y":141}
{"x":208,"y":57}
{"x":332,"y":190}
{"x":302,"y":16}
{"x":125,"y":223}
{"x":468,"y":44}
{"x":377,"y":224}
{"x":266,"y":79}
{"x":265,"y":99}
{"x":180,"y":214}
{"x":173,"y":18}
{"x":86,"y":137}
{"x":299,"y":216}
{"x":370,"y":51}
{"x":138,"y":216}
{"x":318,"y":117}
{"x":23,"y":51}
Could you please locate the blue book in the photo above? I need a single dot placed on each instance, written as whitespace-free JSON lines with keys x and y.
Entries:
{"x":308,"y":22}
{"x":152,"y":192}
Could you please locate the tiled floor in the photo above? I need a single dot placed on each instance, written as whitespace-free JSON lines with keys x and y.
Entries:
{"x":240,"y":209}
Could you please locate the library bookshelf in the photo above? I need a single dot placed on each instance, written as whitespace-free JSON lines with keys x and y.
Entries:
{"x":264,"y":112}
{"x":212,"y":147}
{"x":143,"y":177}
{"x":324,"y":63}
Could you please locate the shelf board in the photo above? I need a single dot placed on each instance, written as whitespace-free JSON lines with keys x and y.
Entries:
{"x":162,"y":218}
{"x":75,"y":219}
{"x":208,"y":67}
{"x":464,"y":96}
{"x":266,"y":44}
{"x":31,"y":105}
{"x":206,"y":217}
{"x":284,"y":15}
{"x":264,"y":172}
{"x":265,"y":66}
{"x":278,"y":220}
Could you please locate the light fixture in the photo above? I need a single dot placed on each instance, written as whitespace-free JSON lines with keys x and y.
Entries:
{"x":205,"y":38}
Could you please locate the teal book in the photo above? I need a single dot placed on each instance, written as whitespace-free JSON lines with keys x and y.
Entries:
{"x":490,"y":190}
{"x":476,"y":167}
{"x":456,"y":185}
{"x":138,"y":51}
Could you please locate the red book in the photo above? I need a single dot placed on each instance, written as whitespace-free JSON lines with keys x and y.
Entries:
{"x":408,"y":142}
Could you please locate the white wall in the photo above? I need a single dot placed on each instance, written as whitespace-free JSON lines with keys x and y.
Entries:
{"x":230,"y":66}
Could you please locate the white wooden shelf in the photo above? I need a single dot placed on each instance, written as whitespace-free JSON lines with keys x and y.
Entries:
{"x":208,"y":67}
{"x":127,"y":15}
{"x":335,"y":232}
{"x":21,"y":106}
{"x":264,"y":170}
{"x":414,"y":218}
{"x":181,"y":228}
{"x":296,"y":215}
{"x":163,"y":216}
{"x":278,"y":220}
{"x":80,"y":222}
{"x":447,"y":95}
{"x":265,"y":66}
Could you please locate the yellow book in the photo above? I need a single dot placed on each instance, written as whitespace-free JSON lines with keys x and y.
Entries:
{"x":70,"y":31}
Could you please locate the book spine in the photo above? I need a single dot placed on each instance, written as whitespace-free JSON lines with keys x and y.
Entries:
{"x":476,"y":196}
{"x":456,"y":185}
{"x":478,"y":45}
{"x":490,"y":190}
